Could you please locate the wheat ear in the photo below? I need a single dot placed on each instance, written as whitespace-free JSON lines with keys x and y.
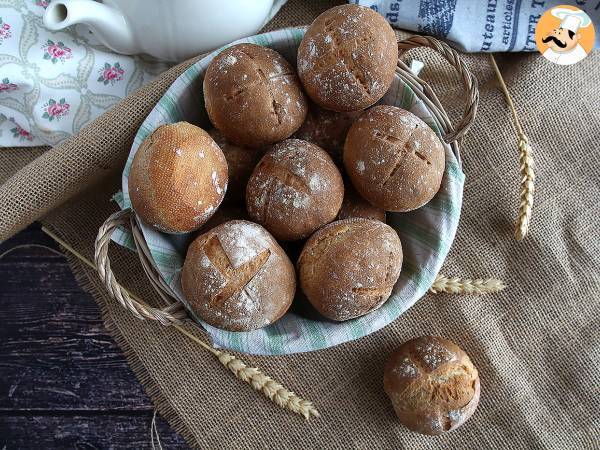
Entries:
{"x":525,"y":161}
{"x":465,"y":286}
{"x":527,"y":188}
{"x":271,"y":389}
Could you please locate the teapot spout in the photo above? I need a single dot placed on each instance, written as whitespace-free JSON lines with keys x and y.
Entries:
{"x":108,"y":23}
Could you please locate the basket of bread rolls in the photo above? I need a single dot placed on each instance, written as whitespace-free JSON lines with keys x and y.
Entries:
{"x":294,"y":190}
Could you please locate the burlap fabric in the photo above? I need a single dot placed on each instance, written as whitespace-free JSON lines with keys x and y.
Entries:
{"x":535,"y":344}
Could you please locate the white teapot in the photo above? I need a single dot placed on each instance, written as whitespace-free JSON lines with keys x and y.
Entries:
{"x":170,"y":30}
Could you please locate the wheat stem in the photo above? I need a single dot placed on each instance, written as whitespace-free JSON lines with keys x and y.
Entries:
{"x":251,"y":375}
{"x":465,"y":286}
{"x":525,"y":161}
{"x":269,"y":387}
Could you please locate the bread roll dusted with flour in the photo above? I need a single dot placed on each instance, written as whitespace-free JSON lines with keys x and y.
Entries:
{"x":394,"y":159}
{"x":347,"y":58}
{"x":432,"y":384}
{"x":178,"y":178}
{"x":237,"y":278}
{"x":349,"y":267}
{"x":253,"y":96}
{"x":295,"y":189}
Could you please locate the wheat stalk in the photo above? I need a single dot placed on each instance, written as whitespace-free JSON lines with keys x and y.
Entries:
{"x":527,"y":188}
{"x":269,"y":387}
{"x":465,"y":286}
{"x":273,"y":390}
{"x":525,"y":160}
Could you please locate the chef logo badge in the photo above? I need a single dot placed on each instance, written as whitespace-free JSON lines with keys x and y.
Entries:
{"x":564,"y":35}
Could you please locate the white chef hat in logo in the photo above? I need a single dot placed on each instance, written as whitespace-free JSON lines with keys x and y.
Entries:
{"x":571,"y":20}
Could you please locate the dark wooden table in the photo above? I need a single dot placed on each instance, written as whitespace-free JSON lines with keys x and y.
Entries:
{"x":64,"y":383}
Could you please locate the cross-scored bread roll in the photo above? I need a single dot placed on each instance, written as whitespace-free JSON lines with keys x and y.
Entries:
{"x":347,"y":58}
{"x":394,"y":159}
{"x":253,"y":96}
{"x":178,"y":178}
{"x":295,"y":189}
{"x":432,"y":384}
{"x":236,"y":277}
{"x":349,"y":267}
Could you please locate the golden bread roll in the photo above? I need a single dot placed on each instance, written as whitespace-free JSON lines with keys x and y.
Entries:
{"x":253,"y":96}
{"x":347,"y":58}
{"x":432,"y":384}
{"x":295,"y":189}
{"x":395,"y":161}
{"x":237,"y":278}
{"x":349,"y":267}
{"x":178,"y":178}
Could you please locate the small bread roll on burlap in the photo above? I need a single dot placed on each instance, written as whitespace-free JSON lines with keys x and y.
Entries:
{"x":237,"y":278}
{"x":432,"y":384}
{"x":178,"y":178}
{"x":253,"y":96}
{"x":347,"y":58}
{"x":240,"y":164}
{"x":295,"y":189}
{"x":349,"y":267}
{"x":394,"y":159}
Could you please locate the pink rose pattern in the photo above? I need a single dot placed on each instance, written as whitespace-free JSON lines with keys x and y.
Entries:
{"x":111,"y":74}
{"x":4,"y":31}
{"x":42,"y":3}
{"x":6,"y":85}
{"x":20,"y":133}
{"x":56,"y":51}
{"x":54,"y":110}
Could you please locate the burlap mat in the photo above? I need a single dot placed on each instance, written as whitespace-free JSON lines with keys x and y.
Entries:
{"x":535,"y":344}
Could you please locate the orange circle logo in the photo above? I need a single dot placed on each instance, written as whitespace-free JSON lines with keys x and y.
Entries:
{"x":565,"y":35}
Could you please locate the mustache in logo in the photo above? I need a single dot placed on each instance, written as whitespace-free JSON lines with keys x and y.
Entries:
{"x":561,"y":44}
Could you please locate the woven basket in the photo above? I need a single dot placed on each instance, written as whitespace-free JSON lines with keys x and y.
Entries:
{"x":426,"y":234}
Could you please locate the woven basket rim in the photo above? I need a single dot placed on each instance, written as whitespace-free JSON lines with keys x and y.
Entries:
{"x":173,"y":310}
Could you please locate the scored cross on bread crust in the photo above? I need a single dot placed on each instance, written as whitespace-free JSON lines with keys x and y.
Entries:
{"x":432,"y":384}
{"x":253,"y":96}
{"x":348,"y":268}
{"x":236,"y":278}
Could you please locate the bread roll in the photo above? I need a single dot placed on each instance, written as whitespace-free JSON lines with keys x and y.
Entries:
{"x":178,"y":178}
{"x":432,"y":384}
{"x":327,"y":129}
{"x":295,"y":189}
{"x":394,"y":159}
{"x":237,"y":278}
{"x":356,"y":206}
{"x":240,"y":164}
{"x":347,"y":58}
{"x":349,"y":267}
{"x":252,"y":95}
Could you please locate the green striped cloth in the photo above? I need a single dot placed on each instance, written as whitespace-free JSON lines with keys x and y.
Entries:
{"x":426,"y":234}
